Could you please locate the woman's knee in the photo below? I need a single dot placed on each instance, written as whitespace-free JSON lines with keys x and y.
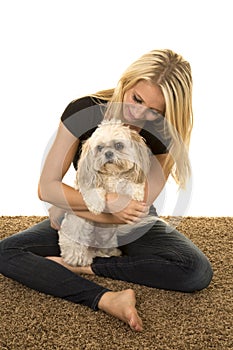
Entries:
{"x":200,"y":276}
{"x":5,"y":254}
{"x":5,"y":244}
{"x":8,"y":248}
{"x":40,"y":240}
{"x":11,"y":242}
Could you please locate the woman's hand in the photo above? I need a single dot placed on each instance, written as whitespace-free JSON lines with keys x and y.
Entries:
{"x":125,"y":209}
{"x":56,"y":216}
{"x":133,"y":213}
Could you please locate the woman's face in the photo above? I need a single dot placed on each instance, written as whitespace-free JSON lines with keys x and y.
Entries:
{"x":143,"y":102}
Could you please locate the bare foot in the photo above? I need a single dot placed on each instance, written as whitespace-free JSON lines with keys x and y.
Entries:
{"x":75,"y":269}
{"x":119,"y":304}
{"x":122,"y":305}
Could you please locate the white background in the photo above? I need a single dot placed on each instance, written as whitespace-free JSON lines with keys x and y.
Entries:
{"x":54,"y":51}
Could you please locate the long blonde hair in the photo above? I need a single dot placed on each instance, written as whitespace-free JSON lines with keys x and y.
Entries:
{"x":172,"y":74}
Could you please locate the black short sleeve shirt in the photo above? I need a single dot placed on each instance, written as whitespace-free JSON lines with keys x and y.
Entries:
{"x":82,"y":117}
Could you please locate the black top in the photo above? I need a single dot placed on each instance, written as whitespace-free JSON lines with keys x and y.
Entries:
{"x":82,"y":117}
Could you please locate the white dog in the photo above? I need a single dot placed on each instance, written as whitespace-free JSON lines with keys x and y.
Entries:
{"x":114,"y":159}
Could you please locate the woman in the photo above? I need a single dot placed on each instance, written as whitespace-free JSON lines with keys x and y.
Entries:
{"x":157,"y":87}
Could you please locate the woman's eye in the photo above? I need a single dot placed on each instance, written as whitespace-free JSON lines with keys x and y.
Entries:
{"x":156,"y":114}
{"x":119,"y":146}
{"x":136,"y":99}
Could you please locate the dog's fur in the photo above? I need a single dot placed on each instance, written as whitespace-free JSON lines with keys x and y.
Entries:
{"x":114,"y":159}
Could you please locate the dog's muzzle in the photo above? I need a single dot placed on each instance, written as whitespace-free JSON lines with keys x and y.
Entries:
{"x":109,"y":156}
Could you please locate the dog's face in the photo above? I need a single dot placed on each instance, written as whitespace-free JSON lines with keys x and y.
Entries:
{"x":114,"y":149}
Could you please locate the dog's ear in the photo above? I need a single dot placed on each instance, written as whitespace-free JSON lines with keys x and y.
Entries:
{"x":89,"y":182}
{"x":143,"y":153}
{"x":86,"y":176}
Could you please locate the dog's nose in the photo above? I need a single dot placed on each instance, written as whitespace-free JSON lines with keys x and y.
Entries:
{"x":109,"y":154}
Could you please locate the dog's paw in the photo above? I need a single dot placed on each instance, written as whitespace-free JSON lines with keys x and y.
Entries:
{"x":107,"y":252}
{"x":87,"y":259}
{"x":85,"y":256}
{"x":115,"y":252}
{"x":80,"y":256}
{"x":95,"y":200}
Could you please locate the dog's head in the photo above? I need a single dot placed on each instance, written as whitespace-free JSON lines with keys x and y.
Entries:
{"x":114,"y":149}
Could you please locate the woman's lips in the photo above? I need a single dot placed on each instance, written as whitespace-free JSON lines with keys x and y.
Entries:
{"x":130,"y":114}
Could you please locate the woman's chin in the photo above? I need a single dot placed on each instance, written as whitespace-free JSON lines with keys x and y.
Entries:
{"x":134,"y":123}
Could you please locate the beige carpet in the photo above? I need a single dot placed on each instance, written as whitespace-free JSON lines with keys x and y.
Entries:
{"x":172,"y":320}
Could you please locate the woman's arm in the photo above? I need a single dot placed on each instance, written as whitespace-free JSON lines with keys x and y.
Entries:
{"x":51,"y":189}
{"x":157,"y":177}
{"x":125,"y":210}
{"x":120,"y":210}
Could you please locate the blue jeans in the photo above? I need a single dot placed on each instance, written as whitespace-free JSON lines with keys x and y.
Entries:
{"x":158,"y":259}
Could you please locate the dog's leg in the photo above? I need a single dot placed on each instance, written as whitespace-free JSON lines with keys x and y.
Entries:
{"x":95,"y":199}
{"x":76,"y":254}
{"x":138,"y":191}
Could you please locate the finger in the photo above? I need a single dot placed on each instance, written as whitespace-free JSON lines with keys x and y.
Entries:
{"x":138,"y":213}
{"x":142,"y":208}
{"x":132,"y":219}
{"x":55,"y":225}
{"x":143,"y":214}
{"x":129,"y":222}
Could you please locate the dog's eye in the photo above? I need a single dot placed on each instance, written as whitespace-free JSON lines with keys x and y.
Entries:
{"x":99,"y":148}
{"x":119,"y":146}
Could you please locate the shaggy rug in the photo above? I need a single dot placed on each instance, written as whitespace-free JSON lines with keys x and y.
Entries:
{"x":172,"y":320}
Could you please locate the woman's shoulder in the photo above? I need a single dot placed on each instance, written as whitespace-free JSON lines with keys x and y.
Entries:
{"x":83,"y":115}
{"x":78,"y":105}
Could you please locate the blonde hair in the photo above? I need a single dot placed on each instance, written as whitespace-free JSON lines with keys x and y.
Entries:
{"x":172,"y":74}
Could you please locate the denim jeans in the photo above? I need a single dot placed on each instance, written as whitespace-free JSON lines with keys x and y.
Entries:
{"x":159,"y":259}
